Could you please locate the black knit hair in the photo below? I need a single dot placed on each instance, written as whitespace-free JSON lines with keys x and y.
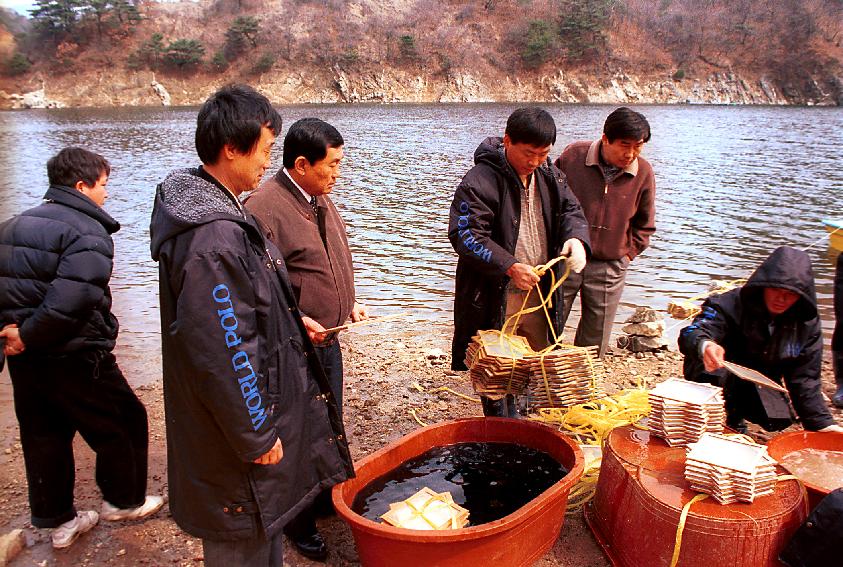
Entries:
{"x":72,"y":165}
{"x":233,"y":115}
{"x":531,"y":125}
{"x":310,"y":138}
{"x":626,"y":124}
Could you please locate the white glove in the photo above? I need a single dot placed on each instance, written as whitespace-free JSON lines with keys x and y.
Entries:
{"x":575,"y":252}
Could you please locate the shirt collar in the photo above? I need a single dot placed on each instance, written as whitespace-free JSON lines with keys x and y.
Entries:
{"x":592,"y":158}
{"x":304,"y":193}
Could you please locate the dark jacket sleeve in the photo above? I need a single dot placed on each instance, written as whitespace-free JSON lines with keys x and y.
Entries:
{"x":805,"y":386}
{"x":78,"y":288}
{"x":217,"y":332}
{"x":470,"y":226}
{"x":643,"y":223}
{"x":711,"y":324}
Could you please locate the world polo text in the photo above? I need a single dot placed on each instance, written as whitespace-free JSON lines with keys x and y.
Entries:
{"x":244,"y":373}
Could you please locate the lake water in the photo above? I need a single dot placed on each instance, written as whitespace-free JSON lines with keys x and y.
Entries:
{"x":733,"y":183}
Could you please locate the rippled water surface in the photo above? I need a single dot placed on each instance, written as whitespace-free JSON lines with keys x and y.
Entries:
{"x":733,"y":183}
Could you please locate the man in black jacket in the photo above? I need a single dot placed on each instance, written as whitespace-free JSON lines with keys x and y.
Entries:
{"x":253,"y":434}
{"x":771,"y":325}
{"x":511,"y":212}
{"x":55,"y":309}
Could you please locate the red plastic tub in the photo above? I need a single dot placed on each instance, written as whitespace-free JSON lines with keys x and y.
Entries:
{"x":640,"y":494}
{"x":782,"y":445}
{"x":520,"y":538}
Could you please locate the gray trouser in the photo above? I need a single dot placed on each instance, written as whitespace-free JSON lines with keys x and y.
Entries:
{"x":600,"y":286}
{"x":258,"y":552}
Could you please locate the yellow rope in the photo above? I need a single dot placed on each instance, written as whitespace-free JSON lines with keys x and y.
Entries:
{"x":544,"y":303}
{"x":828,"y":235}
{"x":682,"y":517}
{"x":421,"y":390}
{"x":454,"y":392}
{"x":590,"y":423}
{"x":583,"y":491}
{"x":511,"y":324}
{"x":416,"y":417}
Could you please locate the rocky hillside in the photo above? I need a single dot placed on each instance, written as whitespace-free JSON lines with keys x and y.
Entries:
{"x":612,"y":51}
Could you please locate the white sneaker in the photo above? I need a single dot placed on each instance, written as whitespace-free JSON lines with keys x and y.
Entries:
{"x":114,"y":514}
{"x":66,"y":534}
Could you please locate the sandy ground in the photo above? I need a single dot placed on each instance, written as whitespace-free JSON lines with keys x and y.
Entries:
{"x":381,"y":369}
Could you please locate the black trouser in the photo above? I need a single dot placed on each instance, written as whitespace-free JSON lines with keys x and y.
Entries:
{"x":330,"y":357}
{"x":504,"y":407}
{"x":56,"y":396}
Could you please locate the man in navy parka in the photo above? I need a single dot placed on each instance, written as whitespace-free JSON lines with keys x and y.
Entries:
{"x":253,"y":434}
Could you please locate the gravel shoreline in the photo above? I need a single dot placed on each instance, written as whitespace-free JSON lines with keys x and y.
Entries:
{"x":381,"y":368}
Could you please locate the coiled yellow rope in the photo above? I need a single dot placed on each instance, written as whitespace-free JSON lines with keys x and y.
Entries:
{"x":590,"y":423}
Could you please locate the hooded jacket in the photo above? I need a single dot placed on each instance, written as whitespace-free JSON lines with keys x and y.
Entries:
{"x":483,"y":229}
{"x":787,"y":347}
{"x":239,"y":371}
{"x":55,"y":265}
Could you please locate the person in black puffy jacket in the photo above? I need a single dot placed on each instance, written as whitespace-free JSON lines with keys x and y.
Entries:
{"x":770,"y":324}
{"x":55,"y":310}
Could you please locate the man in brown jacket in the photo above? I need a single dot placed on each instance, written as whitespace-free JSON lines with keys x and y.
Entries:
{"x":299,"y":218}
{"x":617,"y":191}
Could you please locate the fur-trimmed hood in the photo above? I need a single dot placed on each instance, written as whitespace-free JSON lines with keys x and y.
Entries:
{"x":184,"y":200}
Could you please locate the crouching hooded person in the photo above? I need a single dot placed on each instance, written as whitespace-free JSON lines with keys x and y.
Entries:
{"x":770,"y":324}
{"x":253,"y":433}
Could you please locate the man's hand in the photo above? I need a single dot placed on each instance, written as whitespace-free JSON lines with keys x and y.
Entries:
{"x":273,"y":456}
{"x":315,"y":331}
{"x":834,"y":428}
{"x":713,"y":356}
{"x":358,"y":313}
{"x":575,"y":252}
{"x":14,"y":345}
{"x":523,"y":276}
